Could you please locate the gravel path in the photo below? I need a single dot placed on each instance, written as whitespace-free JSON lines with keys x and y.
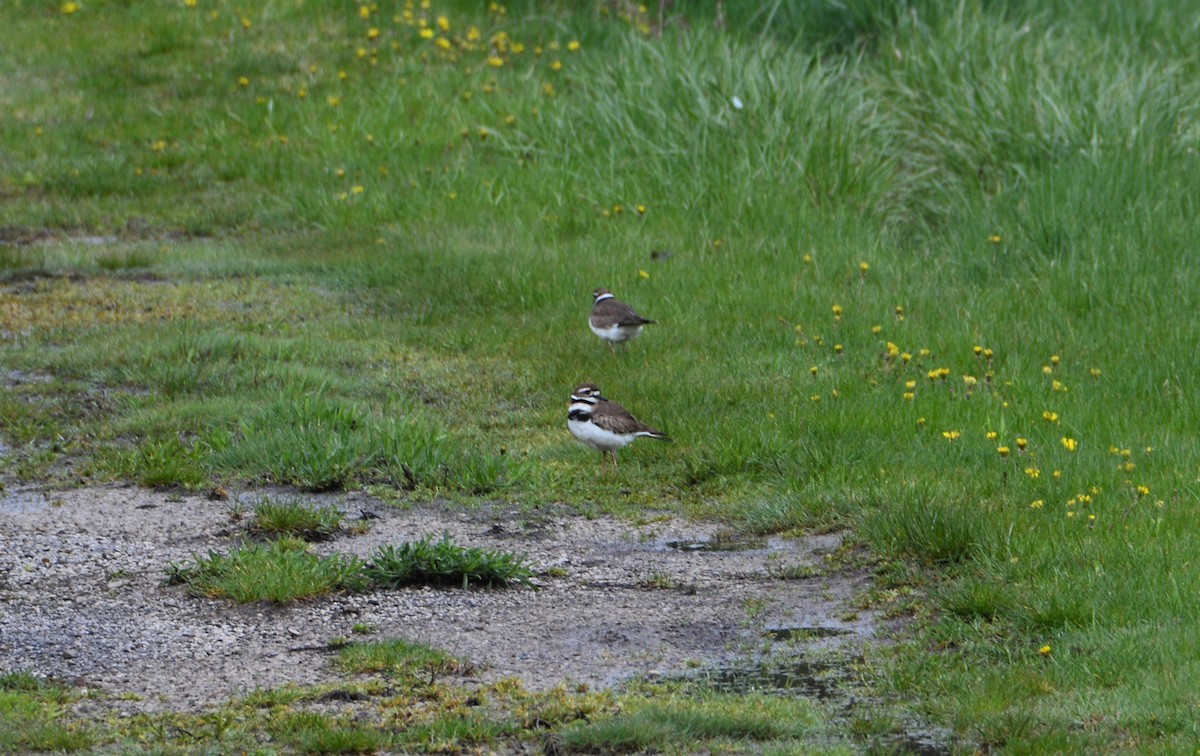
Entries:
{"x":83,"y":598}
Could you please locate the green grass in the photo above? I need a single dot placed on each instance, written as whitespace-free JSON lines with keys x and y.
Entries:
{"x":443,"y":562}
{"x":279,"y":274}
{"x":34,"y":716}
{"x":274,"y":518}
{"x":284,"y":570}
{"x":279,"y":571}
{"x":400,"y":658}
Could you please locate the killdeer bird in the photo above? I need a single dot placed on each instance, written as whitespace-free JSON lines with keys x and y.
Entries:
{"x":604,"y":425}
{"x":613,"y":320}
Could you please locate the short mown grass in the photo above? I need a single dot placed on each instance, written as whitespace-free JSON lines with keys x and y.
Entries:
{"x":922,"y":271}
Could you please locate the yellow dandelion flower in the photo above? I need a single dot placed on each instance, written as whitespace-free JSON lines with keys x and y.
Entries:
{"x":246,"y":23}
{"x":1096,"y":372}
{"x":837,"y":311}
{"x":1055,"y":359}
{"x":863,"y":267}
{"x":358,"y":189}
{"x":908,"y":396}
{"x":426,"y":33}
{"x":970,"y":381}
{"x":443,"y":43}
{"x":373,"y":33}
{"x":1033,"y":472}
{"x":876,"y":329}
{"x":815,"y":397}
{"x":1050,"y":417}
{"x":1047,"y":370}
{"x":333,"y":101}
{"x":807,"y":258}
{"x":642,"y":274}
{"x":573,"y":45}
{"x":1059,"y":386}
{"x":906,"y":356}
{"x":548,"y":89}
{"x":920,"y":421}
{"x":951,"y":435}
{"x":443,"y":23}
{"x":1045,"y":650}
{"x":1022,"y":443}
{"x":991,"y":435}
{"x":988,"y":353}
{"x":1143,"y":491}
{"x":1037,"y":504}
{"x":1057,"y":474}
{"x":813,"y":370}
{"x":243,"y":81}
{"x":556,"y":65}
{"x":1002,"y":451}
{"x":910,"y":385}
{"x":837,"y":348}
{"x":364,"y":12}
{"x":641,"y":209}
{"x":1069,"y":443}
{"x":994,"y":238}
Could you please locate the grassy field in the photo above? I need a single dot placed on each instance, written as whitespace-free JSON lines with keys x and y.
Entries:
{"x":924,"y":271}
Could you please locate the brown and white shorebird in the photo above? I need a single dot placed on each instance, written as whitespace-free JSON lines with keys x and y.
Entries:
{"x":604,"y":425}
{"x":613,"y":320}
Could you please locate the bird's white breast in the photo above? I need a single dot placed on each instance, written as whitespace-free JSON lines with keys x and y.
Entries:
{"x":597,"y":438}
{"x":616,"y":333}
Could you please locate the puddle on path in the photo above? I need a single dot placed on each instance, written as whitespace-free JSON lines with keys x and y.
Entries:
{"x":22,"y":501}
{"x":721,"y":542}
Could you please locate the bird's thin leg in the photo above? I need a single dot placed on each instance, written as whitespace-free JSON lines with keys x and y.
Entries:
{"x":614,"y":457}
{"x":603,"y":462}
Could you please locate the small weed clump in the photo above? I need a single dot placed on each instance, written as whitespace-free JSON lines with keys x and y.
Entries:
{"x":280,"y":571}
{"x":445,"y":563}
{"x":293,"y":518}
{"x":399,"y":657}
{"x":284,"y":570}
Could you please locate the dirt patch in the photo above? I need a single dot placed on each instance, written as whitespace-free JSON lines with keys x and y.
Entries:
{"x":83,"y":598}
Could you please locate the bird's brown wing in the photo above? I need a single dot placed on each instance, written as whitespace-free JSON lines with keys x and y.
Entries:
{"x":612,"y":312}
{"x":613,"y":417}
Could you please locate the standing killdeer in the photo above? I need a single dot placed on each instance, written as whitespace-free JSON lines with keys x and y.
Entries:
{"x":604,"y":425}
{"x":613,"y":320}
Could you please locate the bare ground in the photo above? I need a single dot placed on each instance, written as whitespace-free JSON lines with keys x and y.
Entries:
{"x":83,"y":598}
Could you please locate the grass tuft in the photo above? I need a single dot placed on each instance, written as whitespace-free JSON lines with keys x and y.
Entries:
{"x":443,"y":562}
{"x":273,"y":518}
{"x":280,"y":572}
